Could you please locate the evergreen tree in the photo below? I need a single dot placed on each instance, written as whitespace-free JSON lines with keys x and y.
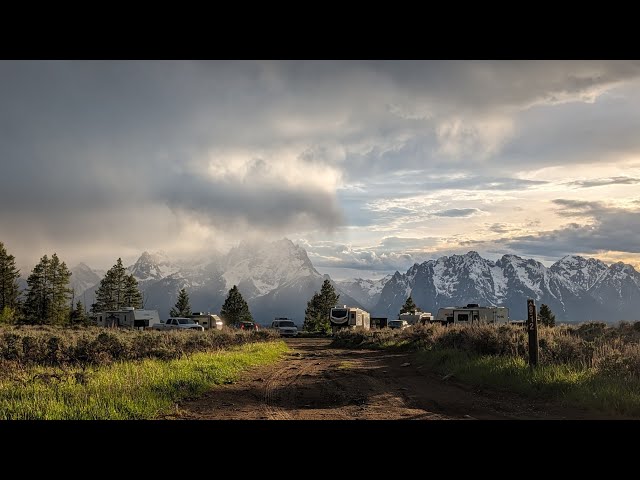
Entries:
{"x":47,"y":299}
{"x":117,"y":290}
{"x":132,"y":295}
{"x":316,"y":315}
{"x":79,"y":315}
{"x":9,"y":291}
{"x":409,"y":306}
{"x":546,"y":316}
{"x":235,"y":309}
{"x":182,"y":307}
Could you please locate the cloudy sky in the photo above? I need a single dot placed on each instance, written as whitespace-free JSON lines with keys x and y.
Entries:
{"x":370,"y":166}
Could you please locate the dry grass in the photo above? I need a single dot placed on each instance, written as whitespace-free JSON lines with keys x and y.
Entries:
{"x":592,"y":365}
{"x":57,"y":346}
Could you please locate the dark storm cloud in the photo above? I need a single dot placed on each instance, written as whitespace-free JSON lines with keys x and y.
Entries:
{"x":89,"y":146}
{"x":261,"y":205}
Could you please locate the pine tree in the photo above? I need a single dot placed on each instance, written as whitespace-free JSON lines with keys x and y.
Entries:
{"x":79,"y":315}
{"x":546,"y":316}
{"x":9,"y":290}
{"x":235,"y":309}
{"x":48,"y":292}
{"x":117,"y":290}
{"x":409,"y":306}
{"x":132,"y":295}
{"x":316,"y":315}
{"x":182,"y":307}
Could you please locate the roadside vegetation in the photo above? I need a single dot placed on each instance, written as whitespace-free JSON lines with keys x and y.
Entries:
{"x":95,"y":373}
{"x":593,"y":365}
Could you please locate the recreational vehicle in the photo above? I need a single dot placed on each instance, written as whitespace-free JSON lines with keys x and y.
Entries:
{"x":349,"y":317}
{"x":207,"y":320}
{"x":472,"y":313}
{"x":127,"y":317}
{"x":416,"y":318}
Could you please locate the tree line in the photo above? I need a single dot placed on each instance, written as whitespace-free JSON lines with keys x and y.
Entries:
{"x":48,"y":299}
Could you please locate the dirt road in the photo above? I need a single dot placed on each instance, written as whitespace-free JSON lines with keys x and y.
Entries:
{"x":317,"y":382}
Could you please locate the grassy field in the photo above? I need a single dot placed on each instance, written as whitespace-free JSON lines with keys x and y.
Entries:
{"x":126,"y":389}
{"x":591,"y":366}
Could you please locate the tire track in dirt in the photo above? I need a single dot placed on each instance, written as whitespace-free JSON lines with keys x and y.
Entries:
{"x":317,"y":382}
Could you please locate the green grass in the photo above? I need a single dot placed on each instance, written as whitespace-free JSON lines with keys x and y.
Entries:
{"x":346,"y":365}
{"x":571,"y":385}
{"x":128,"y":389}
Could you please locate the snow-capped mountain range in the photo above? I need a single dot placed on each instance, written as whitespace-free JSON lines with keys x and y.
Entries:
{"x":575,"y":288}
{"x":277,"y":279}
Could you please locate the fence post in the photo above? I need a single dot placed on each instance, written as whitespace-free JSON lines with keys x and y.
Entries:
{"x":532,"y":328}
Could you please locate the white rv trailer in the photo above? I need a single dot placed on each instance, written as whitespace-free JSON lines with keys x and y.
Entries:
{"x":207,"y":320}
{"x":127,"y":317}
{"x":349,"y":317}
{"x":416,"y":318}
{"x":472,"y":313}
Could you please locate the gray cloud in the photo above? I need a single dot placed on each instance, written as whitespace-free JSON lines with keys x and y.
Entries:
{"x":390,"y":254}
{"x":500,"y":228}
{"x":604,"y":181}
{"x":579,"y":208}
{"x":456,"y":212}
{"x":108,"y":157}
{"x":609,"y":229}
{"x":265,"y":205}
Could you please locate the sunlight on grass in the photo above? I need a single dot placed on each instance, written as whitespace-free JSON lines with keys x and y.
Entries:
{"x":569,"y":384}
{"x":126,"y":390}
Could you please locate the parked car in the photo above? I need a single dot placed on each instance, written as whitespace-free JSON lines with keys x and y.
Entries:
{"x":177,"y":323}
{"x":398,"y":324}
{"x":246,"y":325}
{"x":286,"y":327}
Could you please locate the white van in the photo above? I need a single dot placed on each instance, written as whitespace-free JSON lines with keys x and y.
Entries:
{"x":285,"y":326}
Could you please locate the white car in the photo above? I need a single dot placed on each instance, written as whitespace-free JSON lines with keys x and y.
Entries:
{"x":286,"y":327}
{"x":178,"y":323}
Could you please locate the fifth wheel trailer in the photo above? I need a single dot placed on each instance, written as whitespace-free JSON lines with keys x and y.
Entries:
{"x":349,"y":317}
{"x":472,"y":313}
{"x":127,"y":317}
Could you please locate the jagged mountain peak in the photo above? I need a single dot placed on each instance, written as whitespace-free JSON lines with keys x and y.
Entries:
{"x":153,"y":266}
{"x":267,"y":266}
{"x":82,"y":267}
{"x":581,"y":272}
{"x":622,"y":267}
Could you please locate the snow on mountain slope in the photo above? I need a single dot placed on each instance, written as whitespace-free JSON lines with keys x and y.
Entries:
{"x":581,"y":272}
{"x":264,"y":268}
{"x":365,"y":291}
{"x":153,"y":266}
{"x":83,"y":277}
{"x":278,"y":278}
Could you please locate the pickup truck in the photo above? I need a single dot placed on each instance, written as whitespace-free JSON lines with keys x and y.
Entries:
{"x":177,"y":323}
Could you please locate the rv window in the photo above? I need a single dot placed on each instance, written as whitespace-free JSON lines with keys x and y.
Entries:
{"x":463,"y":317}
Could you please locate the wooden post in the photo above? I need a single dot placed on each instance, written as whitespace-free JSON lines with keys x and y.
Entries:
{"x":532,"y":328}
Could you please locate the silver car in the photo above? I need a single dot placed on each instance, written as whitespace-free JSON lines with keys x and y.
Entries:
{"x":286,"y":327}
